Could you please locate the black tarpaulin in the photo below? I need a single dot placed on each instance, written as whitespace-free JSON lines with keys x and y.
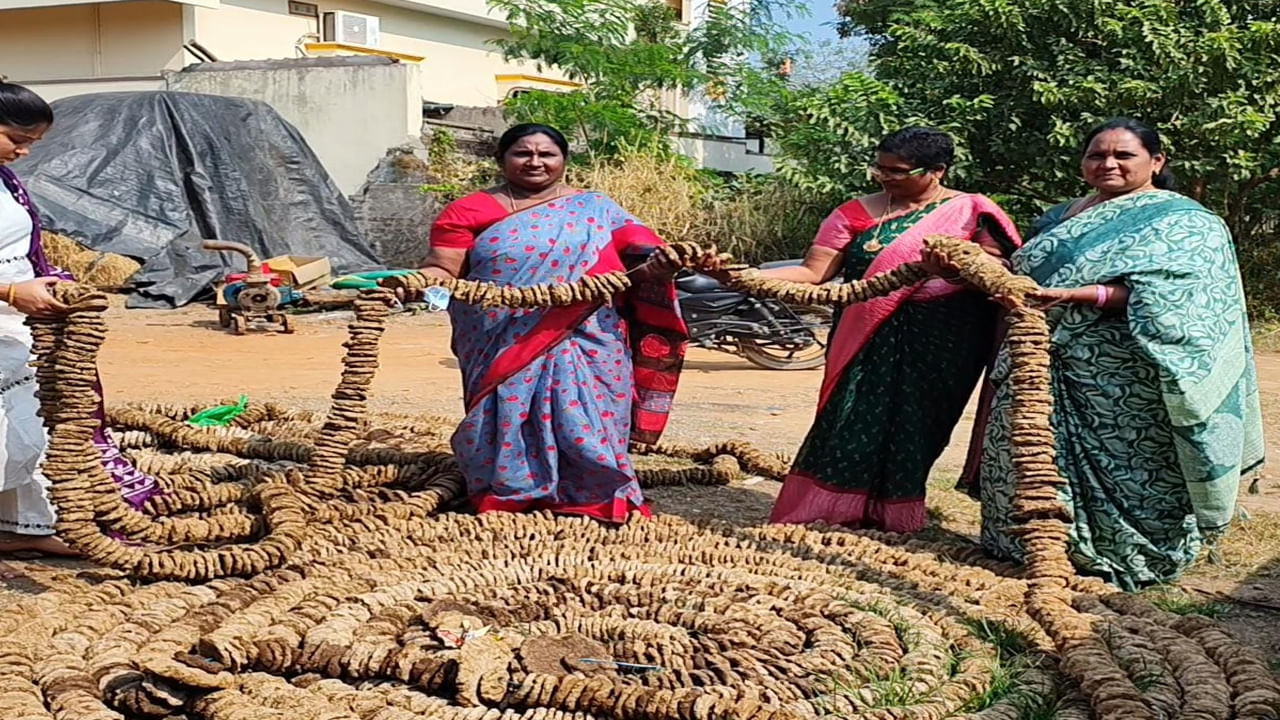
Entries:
{"x":152,"y":174}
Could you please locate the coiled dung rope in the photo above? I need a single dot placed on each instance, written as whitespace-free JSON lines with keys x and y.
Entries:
{"x":375,"y":605}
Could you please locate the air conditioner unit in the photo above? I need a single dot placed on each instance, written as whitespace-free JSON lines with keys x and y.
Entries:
{"x":351,"y":28}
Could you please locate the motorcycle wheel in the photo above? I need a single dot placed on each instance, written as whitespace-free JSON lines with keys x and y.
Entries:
{"x":812,"y":356}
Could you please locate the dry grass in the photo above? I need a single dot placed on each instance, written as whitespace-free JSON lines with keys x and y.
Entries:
{"x":951,"y":512}
{"x":101,"y":270}
{"x":662,"y":192}
{"x":753,"y":218}
{"x":1251,"y":549}
{"x":1266,"y":336}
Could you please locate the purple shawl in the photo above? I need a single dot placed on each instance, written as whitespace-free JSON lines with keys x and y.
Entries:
{"x":35,"y":253}
{"x":136,"y":487}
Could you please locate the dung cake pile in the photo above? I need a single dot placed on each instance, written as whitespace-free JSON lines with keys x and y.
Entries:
{"x":307,"y":567}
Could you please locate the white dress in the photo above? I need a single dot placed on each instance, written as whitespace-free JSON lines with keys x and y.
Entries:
{"x":24,"y":497}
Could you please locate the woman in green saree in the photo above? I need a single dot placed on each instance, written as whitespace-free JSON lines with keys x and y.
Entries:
{"x":1156,"y":410}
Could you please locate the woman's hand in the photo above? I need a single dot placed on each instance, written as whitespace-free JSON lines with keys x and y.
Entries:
{"x":1110,"y":297}
{"x":441,"y":265}
{"x":661,"y":266}
{"x":712,"y":264}
{"x":710,"y":261}
{"x":35,"y":298}
{"x":934,"y":262}
{"x":1049,"y":297}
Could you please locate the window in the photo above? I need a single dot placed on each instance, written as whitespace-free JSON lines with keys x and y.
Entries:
{"x":304,"y":9}
{"x":678,"y":7}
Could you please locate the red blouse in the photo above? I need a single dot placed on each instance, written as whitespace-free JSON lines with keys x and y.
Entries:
{"x":457,"y":226}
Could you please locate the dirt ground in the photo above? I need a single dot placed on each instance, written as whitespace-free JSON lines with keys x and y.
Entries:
{"x":183,"y":357}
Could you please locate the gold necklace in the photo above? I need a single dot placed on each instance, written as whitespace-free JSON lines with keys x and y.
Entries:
{"x":873,"y":245}
{"x":506,"y":187}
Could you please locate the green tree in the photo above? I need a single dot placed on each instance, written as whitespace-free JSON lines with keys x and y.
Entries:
{"x":631,"y":56}
{"x":824,"y":61}
{"x":824,"y":133}
{"x":1019,"y":82}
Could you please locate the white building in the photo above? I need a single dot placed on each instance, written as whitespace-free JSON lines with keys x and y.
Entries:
{"x":69,"y":47}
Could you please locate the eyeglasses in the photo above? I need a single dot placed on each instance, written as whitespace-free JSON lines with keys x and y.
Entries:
{"x":884,"y":173}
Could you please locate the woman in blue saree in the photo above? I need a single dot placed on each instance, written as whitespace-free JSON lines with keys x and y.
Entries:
{"x":1156,"y":409}
{"x":553,"y":396}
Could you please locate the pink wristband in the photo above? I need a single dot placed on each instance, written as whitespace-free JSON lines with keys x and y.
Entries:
{"x":1103,"y":293}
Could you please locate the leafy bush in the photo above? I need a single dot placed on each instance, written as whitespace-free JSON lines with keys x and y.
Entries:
{"x":633,"y":58}
{"x":1019,"y":83}
{"x":456,"y":174}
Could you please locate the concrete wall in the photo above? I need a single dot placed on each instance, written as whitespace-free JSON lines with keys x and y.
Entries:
{"x":473,"y":10}
{"x":87,"y":42}
{"x":723,"y":154}
{"x":459,"y":66}
{"x":56,"y":90}
{"x":349,"y":113}
{"x":393,"y":213}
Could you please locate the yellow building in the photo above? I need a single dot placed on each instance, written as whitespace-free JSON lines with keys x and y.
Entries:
{"x":65,"y":47}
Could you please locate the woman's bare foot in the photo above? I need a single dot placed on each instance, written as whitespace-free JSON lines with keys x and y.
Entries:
{"x":9,"y":571}
{"x":11,"y":543}
{"x":43,"y":544}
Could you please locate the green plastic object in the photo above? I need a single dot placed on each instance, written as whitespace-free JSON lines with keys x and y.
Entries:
{"x":350,"y":282}
{"x":365,"y":280}
{"x":219,"y":416}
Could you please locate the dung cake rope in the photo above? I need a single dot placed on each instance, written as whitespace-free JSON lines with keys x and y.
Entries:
{"x":211,"y":502}
{"x":388,"y":609}
{"x":589,"y":290}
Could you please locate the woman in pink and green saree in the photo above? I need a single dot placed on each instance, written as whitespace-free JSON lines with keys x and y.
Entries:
{"x":900,"y":368}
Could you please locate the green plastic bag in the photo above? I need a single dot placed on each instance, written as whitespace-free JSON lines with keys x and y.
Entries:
{"x":220,"y":416}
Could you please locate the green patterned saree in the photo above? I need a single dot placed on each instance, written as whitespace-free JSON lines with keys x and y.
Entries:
{"x":1156,"y":411}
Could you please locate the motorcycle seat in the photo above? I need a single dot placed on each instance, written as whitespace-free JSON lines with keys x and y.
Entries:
{"x":698,"y":284}
{"x":716,"y":302}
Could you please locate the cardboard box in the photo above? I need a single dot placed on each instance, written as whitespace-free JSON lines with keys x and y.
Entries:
{"x":301,"y":272}
{"x":297,"y":271}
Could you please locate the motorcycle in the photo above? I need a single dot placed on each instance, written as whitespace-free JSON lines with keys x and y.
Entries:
{"x":767,"y":333}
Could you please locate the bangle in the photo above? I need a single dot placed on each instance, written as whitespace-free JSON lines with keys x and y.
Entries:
{"x":9,"y":295}
{"x":1103,"y":295}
